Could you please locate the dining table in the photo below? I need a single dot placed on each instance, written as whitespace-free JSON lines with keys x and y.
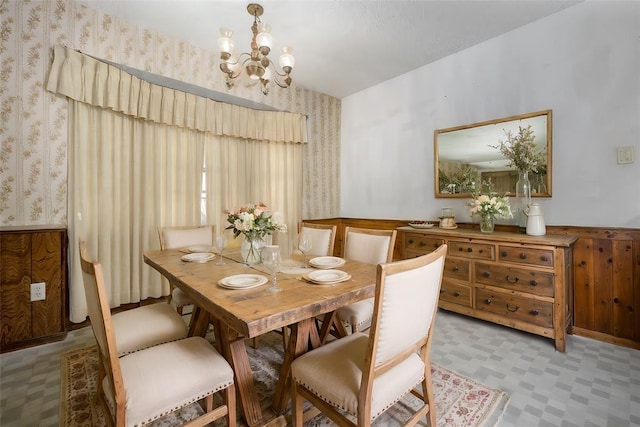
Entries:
{"x":238,"y":314}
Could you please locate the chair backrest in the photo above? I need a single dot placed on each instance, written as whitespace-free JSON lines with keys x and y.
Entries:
{"x":183,"y":236}
{"x":405,"y":307}
{"x":100,"y":317}
{"x":369,"y":245}
{"x":323,"y":237}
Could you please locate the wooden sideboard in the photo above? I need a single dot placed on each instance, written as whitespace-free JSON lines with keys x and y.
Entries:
{"x":511,"y":279}
{"x":34,"y":254}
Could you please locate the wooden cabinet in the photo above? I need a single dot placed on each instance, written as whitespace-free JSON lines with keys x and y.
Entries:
{"x":520,"y":281}
{"x":29,"y":255}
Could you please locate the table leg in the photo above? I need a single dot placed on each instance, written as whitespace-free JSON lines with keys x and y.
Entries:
{"x":199,"y":322}
{"x":304,"y":336}
{"x":232,"y":346}
{"x":332,"y":325}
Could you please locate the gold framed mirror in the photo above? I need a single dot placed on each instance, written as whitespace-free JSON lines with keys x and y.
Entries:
{"x":467,"y":155}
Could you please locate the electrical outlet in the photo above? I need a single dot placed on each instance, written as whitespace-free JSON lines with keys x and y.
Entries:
{"x":38,"y":291}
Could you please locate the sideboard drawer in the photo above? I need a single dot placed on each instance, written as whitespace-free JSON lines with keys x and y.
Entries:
{"x":518,"y":279}
{"x":422,"y":243}
{"x":517,"y":308}
{"x":455,"y":268}
{"x":472,"y":250}
{"x":456,"y":293}
{"x":529,"y":256}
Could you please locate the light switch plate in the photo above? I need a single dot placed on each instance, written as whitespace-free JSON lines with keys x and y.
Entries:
{"x":625,"y":155}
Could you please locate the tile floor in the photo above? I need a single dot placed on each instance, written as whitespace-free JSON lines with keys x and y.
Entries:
{"x":592,"y":384}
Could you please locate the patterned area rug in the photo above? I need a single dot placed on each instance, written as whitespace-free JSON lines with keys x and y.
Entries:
{"x":460,"y":401}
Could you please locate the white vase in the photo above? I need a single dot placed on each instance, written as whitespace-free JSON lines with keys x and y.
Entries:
{"x":251,"y":250}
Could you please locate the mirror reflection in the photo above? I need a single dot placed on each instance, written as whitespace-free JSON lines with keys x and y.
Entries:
{"x":470,"y":154}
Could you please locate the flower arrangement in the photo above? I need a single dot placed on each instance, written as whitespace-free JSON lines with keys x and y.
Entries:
{"x":489,"y":206}
{"x":254,"y":220}
{"x":520,"y":150}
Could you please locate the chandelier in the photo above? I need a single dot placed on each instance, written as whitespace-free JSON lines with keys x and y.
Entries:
{"x":256,"y":64}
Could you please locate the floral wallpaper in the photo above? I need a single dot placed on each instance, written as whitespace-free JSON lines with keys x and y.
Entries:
{"x":33,"y":128}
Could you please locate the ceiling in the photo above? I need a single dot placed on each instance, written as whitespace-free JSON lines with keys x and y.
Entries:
{"x":341,"y":46}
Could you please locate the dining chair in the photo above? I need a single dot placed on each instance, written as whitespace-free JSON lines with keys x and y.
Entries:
{"x":323,"y":237}
{"x":148,"y":384}
{"x":145,"y":326}
{"x":362,"y":375}
{"x":372,"y":247}
{"x":182,"y":237}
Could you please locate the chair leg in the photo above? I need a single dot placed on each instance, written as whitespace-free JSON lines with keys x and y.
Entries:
{"x":427,"y":390}
{"x":297,"y":415}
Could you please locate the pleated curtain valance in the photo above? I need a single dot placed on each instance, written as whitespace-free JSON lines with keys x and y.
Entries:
{"x":88,"y":80}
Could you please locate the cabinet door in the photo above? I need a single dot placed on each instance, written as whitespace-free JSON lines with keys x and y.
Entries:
{"x":15,"y":285}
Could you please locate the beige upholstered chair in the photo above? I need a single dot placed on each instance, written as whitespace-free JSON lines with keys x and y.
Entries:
{"x":323,"y":238}
{"x":132,"y":327}
{"x":148,"y":384}
{"x":183,"y":237}
{"x":363,"y":375}
{"x":373,"y":247}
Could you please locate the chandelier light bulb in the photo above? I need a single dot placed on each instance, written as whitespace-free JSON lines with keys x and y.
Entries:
{"x":287,"y":61}
{"x":225,"y":44}
{"x":264,"y":40}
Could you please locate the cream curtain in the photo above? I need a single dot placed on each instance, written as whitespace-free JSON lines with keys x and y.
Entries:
{"x":246,"y":171}
{"x":136,"y":157}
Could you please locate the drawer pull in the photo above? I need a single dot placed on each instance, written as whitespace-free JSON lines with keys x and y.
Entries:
{"x":534,"y":283}
{"x":422,"y":244}
{"x":456,"y":294}
{"x":469,"y":250}
{"x":486,"y":274}
{"x":411,"y":241}
{"x":503,"y":253}
{"x":544,"y":258}
{"x":442,"y":291}
{"x":523,"y":256}
{"x":513,"y":310}
{"x":487,"y":301}
{"x":456,"y":268}
{"x":508,"y":278}
{"x":534,"y":312}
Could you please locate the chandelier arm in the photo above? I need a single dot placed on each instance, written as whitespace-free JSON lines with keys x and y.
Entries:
{"x":230,"y":74}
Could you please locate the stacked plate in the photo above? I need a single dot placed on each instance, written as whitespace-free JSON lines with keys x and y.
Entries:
{"x":326,"y":262}
{"x":200,"y":248}
{"x":326,"y":277}
{"x":243,"y":281}
{"x":198,"y":257}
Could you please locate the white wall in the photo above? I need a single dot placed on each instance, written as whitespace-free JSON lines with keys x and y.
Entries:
{"x":583,"y":63}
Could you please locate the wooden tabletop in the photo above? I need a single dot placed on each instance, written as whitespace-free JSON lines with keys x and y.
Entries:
{"x":253,"y":312}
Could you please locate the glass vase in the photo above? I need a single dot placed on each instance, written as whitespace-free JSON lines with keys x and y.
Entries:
{"x":522,"y":200}
{"x":251,"y":249}
{"x":486,"y":224}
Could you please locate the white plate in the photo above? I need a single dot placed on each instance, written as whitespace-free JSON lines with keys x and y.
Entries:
{"x":200,"y":248}
{"x":243,"y":281}
{"x":198,"y":257}
{"x":324,"y":277}
{"x":420,"y":225}
{"x":326,"y":262}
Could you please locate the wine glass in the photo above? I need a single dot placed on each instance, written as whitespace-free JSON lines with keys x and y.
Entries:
{"x":221,"y":242}
{"x":304,"y":244}
{"x":271,"y":260}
